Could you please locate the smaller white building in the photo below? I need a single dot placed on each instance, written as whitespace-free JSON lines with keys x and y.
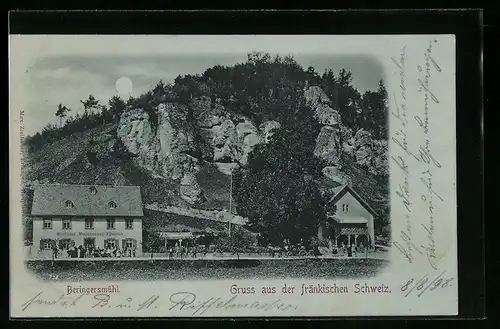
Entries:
{"x":91,"y":216}
{"x":352,"y":221}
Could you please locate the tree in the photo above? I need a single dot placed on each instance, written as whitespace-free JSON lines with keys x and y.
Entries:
{"x":61,"y":113}
{"x":312,"y":77}
{"x":238,"y":242}
{"x":374,"y":112}
{"x":158,"y":94}
{"x":27,"y":201}
{"x":91,"y":104}
{"x":381,"y":112}
{"x":116,"y":106}
{"x":348,"y":100}
{"x":277,"y":190}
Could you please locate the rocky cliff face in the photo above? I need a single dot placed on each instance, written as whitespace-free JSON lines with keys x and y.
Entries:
{"x":329,"y":141}
{"x":170,"y":149}
{"x":337,"y":142}
{"x":184,"y":138}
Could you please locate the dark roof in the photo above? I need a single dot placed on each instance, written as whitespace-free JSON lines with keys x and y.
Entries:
{"x":50,"y":200}
{"x":343,"y":189}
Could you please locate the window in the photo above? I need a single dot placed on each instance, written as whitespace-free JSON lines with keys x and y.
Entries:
{"x":89,"y":223}
{"x":65,"y":243}
{"x":345,"y":207}
{"x":93,"y":190}
{"x":45,"y":244}
{"x":128,"y":244}
{"x":66,"y":224}
{"x":69,"y":204}
{"x":111,"y":224}
{"x":129,"y":224}
{"x":47,"y":224}
{"x":110,"y":243}
{"x":112,"y":205}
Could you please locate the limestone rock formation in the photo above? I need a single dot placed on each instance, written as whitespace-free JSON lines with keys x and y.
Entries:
{"x":320,"y":103}
{"x":166,"y":151}
{"x":179,"y":139}
{"x":328,"y":145}
{"x":167,"y":148}
{"x":267,"y":128}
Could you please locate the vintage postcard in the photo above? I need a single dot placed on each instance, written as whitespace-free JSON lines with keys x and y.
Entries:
{"x":232,"y":176}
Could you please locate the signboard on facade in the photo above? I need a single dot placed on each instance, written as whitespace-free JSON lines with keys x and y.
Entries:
{"x":89,"y":234}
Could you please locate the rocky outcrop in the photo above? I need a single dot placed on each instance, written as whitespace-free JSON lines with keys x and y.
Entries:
{"x":179,"y":139}
{"x":135,"y":131}
{"x":168,"y":150}
{"x":335,"y":140}
{"x":320,"y":103}
{"x":329,"y":143}
{"x":369,"y":153}
{"x":164,"y":151}
{"x":268,"y":128}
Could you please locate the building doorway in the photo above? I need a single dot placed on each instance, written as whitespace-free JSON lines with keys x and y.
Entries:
{"x":89,"y":243}
{"x":342,"y":241}
{"x":362,"y":241}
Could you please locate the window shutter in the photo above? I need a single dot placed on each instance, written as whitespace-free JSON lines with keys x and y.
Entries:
{"x":134,"y":242}
{"x":42,"y":242}
{"x":123,"y":244}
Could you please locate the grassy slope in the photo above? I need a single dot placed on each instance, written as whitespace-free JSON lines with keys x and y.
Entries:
{"x":65,"y":161}
{"x":216,"y":187}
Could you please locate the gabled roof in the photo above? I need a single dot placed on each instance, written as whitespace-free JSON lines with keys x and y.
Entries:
{"x":50,"y":200}
{"x":343,"y":189}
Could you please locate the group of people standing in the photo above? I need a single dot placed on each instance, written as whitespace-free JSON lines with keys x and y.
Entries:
{"x":179,"y":251}
{"x":91,"y":251}
{"x":350,"y":250}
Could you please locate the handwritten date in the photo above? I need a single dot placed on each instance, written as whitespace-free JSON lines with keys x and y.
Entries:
{"x":425,"y":284}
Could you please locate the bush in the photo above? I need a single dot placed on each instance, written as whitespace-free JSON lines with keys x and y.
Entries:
{"x":238,"y":242}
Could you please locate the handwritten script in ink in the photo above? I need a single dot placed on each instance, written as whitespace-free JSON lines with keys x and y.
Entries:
{"x":185,"y":301}
{"x":412,"y":141}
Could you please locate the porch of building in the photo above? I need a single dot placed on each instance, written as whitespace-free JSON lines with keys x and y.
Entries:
{"x":344,"y":232}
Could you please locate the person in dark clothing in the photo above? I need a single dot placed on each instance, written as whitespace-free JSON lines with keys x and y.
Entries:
{"x":349,"y":251}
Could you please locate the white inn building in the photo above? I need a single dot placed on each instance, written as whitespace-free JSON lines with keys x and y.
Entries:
{"x":86,"y":215}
